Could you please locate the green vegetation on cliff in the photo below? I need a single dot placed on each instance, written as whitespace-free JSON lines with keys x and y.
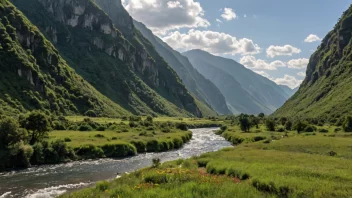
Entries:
{"x":122,"y":70}
{"x":35,"y":76}
{"x":326,"y":91}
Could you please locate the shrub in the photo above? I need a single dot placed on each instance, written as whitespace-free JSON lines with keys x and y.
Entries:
{"x":182,"y":126}
{"x":133,"y":124}
{"x":270,"y":124}
{"x":119,"y":150}
{"x":101,"y":128}
{"x":114,"y":138}
{"x":156,"y":162}
{"x":85,"y":127}
{"x":57,"y":125}
{"x":99,"y":136}
{"x":244,"y":123}
{"x":102,"y":186}
{"x":89,"y":151}
{"x":281,"y":129}
{"x":300,"y":126}
{"x":347,"y":125}
{"x":223,"y":128}
{"x":337,"y":130}
{"x":310,"y":129}
{"x":288,"y":125}
{"x":140,"y":146}
{"x":67,"y":139}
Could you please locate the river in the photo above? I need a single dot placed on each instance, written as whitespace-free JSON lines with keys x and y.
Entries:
{"x":48,"y":181}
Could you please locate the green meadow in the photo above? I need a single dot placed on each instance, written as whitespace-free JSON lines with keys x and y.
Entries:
{"x":262,"y":164}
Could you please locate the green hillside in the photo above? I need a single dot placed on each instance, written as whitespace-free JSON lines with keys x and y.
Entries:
{"x":326,"y":90}
{"x":35,"y":76}
{"x":87,"y":39}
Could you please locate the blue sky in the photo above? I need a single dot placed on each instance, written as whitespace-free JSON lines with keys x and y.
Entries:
{"x":244,"y":30}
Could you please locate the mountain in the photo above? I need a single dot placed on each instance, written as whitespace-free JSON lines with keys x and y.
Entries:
{"x":202,"y":88}
{"x":35,"y":76}
{"x":253,"y":94}
{"x":142,"y":37}
{"x":326,"y":90}
{"x":288,"y":90}
{"x":121,"y":66}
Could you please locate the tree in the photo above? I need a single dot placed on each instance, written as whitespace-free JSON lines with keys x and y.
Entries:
{"x":10,"y":133}
{"x":283,"y":121}
{"x":347,"y":125}
{"x":288,"y":125}
{"x":254,"y":121}
{"x":270,"y":124}
{"x":261,"y":115}
{"x":300,"y":126}
{"x":245,"y":124}
{"x":38,"y":126}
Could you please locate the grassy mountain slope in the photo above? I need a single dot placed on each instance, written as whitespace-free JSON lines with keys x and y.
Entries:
{"x":86,"y":37}
{"x":202,"y":88}
{"x":326,"y":90}
{"x":35,"y":76}
{"x":265,"y":92}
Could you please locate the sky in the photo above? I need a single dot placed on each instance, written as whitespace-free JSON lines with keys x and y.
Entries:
{"x":274,"y":38}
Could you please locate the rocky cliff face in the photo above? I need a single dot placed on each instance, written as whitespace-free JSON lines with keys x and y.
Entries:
{"x":168,"y":79}
{"x":34,"y":76}
{"x":121,"y":69}
{"x":325,"y":92}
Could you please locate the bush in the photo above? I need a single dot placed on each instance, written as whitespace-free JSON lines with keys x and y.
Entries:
{"x":288,"y":125}
{"x":347,"y":125}
{"x":156,"y":162}
{"x":182,"y":126}
{"x":101,"y":128}
{"x":310,"y":129}
{"x":102,"y":186}
{"x":57,"y":125}
{"x":281,"y":129}
{"x":67,"y":139}
{"x":89,"y":151}
{"x":85,"y":127}
{"x":119,"y":150}
{"x":99,"y":136}
{"x":300,"y":126}
{"x":337,"y":130}
{"x":270,"y":124}
{"x":140,"y":146}
{"x":133,"y":124}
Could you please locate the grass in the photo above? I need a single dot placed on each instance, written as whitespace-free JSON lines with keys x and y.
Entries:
{"x":289,"y":165}
{"x":79,"y":138}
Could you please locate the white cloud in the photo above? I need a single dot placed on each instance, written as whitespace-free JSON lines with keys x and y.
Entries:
{"x":301,"y":74}
{"x":300,"y":63}
{"x":286,"y":50}
{"x":288,"y":80}
{"x":312,"y":38}
{"x":174,"y":4}
{"x":263,"y":73}
{"x":218,"y":20}
{"x":162,"y":16}
{"x":245,"y":16}
{"x":212,"y":42}
{"x":252,"y":63}
{"x":228,"y":14}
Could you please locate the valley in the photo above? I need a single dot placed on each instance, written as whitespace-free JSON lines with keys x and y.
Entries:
{"x":139,"y":98}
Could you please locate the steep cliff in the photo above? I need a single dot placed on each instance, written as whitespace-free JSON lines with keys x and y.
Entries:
{"x":124,"y":22}
{"x":35,"y":76}
{"x":88,"y":40}
{"x":326,"y":90}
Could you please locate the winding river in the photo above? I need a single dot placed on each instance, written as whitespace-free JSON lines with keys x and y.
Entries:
{"x":52,"y":180}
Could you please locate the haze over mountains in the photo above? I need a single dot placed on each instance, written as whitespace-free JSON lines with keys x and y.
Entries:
{"x":74,"y":56}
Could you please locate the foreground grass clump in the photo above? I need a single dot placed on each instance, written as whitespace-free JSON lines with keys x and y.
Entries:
{"x":176,"y":179}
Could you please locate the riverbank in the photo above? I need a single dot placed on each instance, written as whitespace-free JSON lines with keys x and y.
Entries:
{"x":263,"y":164}
{"x":52,"y":180}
